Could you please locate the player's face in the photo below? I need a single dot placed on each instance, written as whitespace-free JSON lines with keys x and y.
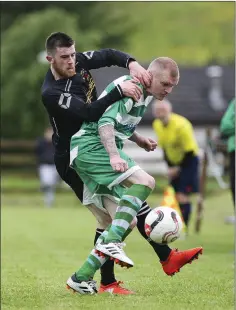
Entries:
{"x":163,"y":85}
{"x":162,"y":113}
{"x":63,"y":61}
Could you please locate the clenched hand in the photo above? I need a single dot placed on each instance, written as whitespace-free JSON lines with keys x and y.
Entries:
{"x":131,"y":89}
{"x":147,"y":143}
{"x":118,"y":164}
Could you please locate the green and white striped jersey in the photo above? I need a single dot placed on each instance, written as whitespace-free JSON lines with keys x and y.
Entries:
{"x":124,"y":115}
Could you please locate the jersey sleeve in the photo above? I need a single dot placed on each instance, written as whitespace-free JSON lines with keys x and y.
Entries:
{"x":187,"y":138}
{"x":104,"y":58}
{"x":113,"y":114}
{"x":66,"y":103}
{"x":227,"y":125}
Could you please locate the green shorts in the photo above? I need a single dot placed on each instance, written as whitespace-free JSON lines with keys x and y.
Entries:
{"x":96,"y":172}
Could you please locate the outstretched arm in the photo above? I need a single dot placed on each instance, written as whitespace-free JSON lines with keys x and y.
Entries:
{"x":69,"y":103}
{"x":110,"y":57}
{"x":146,"y":143}
{"x":106,"y":57}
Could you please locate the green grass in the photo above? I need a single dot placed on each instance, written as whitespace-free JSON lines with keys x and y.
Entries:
{"x":11,"y":182}
{"x":42,"y":247}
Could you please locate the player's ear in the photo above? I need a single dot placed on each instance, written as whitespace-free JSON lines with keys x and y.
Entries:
{"x":49,"y":58}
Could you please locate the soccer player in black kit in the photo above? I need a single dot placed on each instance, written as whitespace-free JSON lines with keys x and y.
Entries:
{"x":69,"y":96}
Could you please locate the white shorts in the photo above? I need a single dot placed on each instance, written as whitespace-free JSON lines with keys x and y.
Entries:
{"x":89,"y":198}
{"x":48,"y":175}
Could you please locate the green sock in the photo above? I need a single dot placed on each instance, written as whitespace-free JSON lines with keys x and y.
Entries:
{"x":88,"y":269}
{"x":94,"y":262}
{"x":127,"y":209}
{"x":128,"y":231}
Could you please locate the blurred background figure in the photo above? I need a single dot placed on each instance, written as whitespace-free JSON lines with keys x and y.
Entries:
{"x":46,"y":168}
{"x":176,"y":138}
{"x":227,"y":128}
{"x":215,"y":88}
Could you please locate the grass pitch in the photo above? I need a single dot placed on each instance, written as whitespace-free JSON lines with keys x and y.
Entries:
{"x":42,"y":247}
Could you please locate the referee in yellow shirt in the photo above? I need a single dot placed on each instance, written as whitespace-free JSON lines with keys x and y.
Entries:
{"x":176,"y":138}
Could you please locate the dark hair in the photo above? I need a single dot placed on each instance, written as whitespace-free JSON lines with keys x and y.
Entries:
{"x":58,"y":39}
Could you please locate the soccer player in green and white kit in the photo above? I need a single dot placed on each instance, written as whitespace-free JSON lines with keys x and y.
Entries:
{"x":111,"y":177}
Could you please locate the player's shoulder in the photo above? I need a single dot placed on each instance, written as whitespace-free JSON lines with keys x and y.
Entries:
{"x":180,"y":120}
{"x":80,"y":57}
{"x":181,"y":124}
{"x":50,"y":91}
{"x":119,"y":80}
{"x":115,"y":82}
{"x":122,"y":79}
{"x":83,"y":57}
{"x":51,"y":86}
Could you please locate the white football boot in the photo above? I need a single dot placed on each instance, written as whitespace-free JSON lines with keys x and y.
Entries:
{"x":82,"y":287}
{"x":116,"y":253}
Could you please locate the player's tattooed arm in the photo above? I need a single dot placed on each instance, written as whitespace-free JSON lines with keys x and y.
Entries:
{"x":107,"y":136}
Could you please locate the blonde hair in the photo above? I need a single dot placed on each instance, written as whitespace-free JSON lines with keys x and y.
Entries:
{"x":164,"y":63}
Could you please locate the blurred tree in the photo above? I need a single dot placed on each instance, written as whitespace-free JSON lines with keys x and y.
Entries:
{"x":110,"y":27}
{"x":23,"y":114}
{"x":190,"y":32}
{"x":113,"y":24}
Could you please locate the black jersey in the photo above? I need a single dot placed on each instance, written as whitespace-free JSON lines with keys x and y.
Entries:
{"x":71,"y":101}
{"x":44,"y":152}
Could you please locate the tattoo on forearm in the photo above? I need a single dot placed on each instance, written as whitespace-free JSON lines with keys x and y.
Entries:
{"x":107,"y":136}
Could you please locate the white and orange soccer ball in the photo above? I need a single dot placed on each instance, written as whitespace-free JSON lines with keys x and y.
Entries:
{"x":163,"y":225}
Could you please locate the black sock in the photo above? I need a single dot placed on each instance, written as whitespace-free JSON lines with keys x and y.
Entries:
{"x":162,"y":251}
{"x":186,"y":211}
{"x":107,"y":269}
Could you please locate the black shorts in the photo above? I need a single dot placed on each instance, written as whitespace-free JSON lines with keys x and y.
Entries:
{"x":68,"y":175}
{"x":187,"y":181}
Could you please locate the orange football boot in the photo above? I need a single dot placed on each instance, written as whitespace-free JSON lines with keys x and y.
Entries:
{"x":177,"y":259}
{"x":114,"y":288}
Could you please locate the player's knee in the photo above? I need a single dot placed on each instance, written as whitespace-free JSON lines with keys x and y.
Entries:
{"x":149,"y":182}
{"x":133,"y":223}
{"x":182,"y":198}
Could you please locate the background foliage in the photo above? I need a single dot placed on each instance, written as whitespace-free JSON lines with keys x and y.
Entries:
{"x":193,"y":33}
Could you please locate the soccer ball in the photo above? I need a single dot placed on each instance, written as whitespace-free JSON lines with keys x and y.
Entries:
{"x":163,"y":225}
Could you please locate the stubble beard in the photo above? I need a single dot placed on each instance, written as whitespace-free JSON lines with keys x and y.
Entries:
{"x":64,"y":73}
